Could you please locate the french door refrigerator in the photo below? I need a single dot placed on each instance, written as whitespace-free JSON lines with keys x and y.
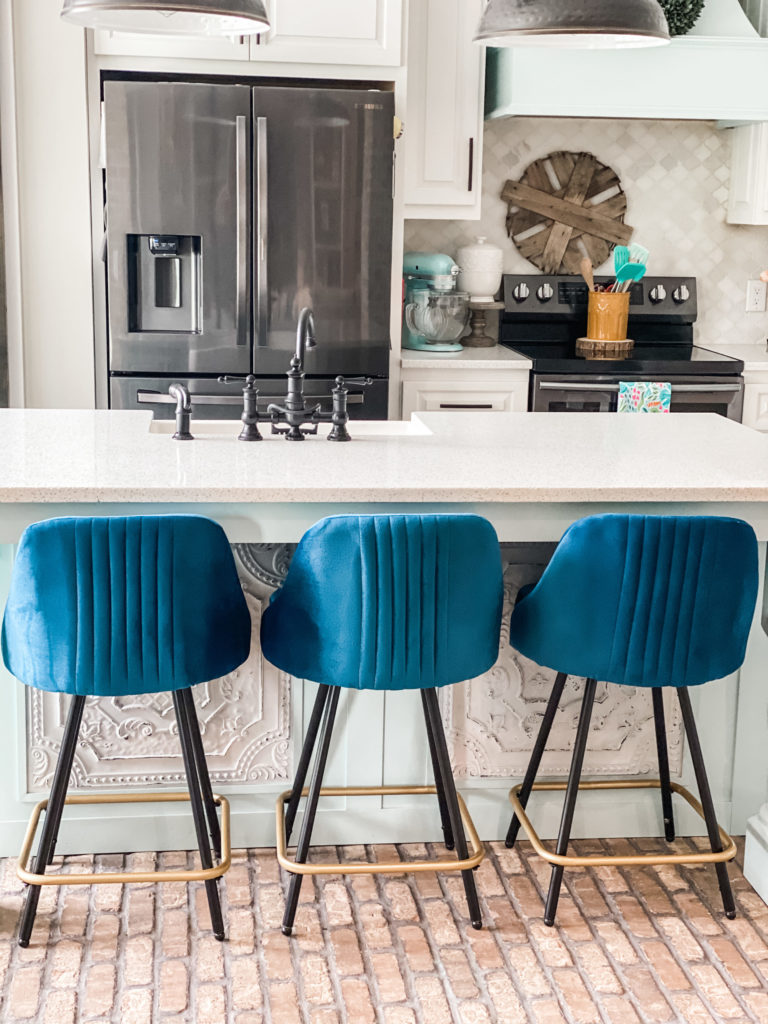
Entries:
{"x":228,"y":209}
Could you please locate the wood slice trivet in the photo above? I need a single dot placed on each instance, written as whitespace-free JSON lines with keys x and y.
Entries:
{"x":553,"y":217}
{"x":593,"y":349}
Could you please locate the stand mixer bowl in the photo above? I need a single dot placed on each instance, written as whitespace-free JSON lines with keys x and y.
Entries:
{"x":438,"y":316}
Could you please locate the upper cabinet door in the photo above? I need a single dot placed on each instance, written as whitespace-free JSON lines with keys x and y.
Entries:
{"x":131,"y":44}
{"x":365,"y":32}
{"x":444,"y":113}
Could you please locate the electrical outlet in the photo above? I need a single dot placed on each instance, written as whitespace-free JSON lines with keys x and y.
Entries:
{"x":756,"y":296}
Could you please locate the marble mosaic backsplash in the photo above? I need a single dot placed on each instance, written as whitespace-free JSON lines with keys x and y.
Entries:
{"x":675,"y":175}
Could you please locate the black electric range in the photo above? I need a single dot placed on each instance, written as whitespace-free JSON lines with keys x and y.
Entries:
{"x":545,"y":314}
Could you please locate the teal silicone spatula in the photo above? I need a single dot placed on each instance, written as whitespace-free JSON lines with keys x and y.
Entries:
{"x":627,"y":275}
{"x":620,"y":258}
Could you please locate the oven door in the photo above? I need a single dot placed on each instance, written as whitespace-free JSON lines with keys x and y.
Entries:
{"x":590,"y":393}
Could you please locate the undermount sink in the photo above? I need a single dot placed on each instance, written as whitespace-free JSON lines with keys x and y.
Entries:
{"x":357,"y":428}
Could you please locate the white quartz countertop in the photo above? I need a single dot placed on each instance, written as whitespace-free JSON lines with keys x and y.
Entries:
{"x":754,"y":357}
{"x":499,"y":357}
{"x":78,"y":456}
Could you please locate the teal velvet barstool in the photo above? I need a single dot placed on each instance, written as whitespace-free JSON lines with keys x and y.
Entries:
{"x":112,"y":607}
{"x":400,"y":602}
{"x":646,"y":601}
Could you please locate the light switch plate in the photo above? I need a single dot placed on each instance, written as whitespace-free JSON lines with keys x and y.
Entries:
{"x":756,"y":296}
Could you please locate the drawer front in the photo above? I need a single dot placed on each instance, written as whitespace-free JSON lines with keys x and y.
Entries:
{"x":420,"y":397}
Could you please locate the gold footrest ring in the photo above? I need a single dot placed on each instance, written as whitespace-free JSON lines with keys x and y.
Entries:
{"x":122,"y":877}
{"x":571,"y":860}
{"x":390,"y":867}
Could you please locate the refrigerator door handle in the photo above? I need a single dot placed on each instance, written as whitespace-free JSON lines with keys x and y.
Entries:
{"x":241,"y":131}
{"x":262,"y":228}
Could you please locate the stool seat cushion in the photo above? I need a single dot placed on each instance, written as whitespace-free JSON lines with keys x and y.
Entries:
{"x":118,"y":606}
{"x":389,"y":602}
{"x":643,"y":600}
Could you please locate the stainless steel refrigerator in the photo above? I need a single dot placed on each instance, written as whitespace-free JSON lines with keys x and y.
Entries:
{"x":228,"y":209}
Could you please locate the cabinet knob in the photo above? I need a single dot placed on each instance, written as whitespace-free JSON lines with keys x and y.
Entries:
{"x":545,"y":292}
{"x":681,"y":294}
{"x":658,"y":293}
{"x":521,"y":292}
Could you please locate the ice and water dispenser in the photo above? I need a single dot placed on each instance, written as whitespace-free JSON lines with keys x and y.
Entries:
{"x":164,"y":286}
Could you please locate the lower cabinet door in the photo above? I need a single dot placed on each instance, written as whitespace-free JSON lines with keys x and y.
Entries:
{"x":755,"y":413}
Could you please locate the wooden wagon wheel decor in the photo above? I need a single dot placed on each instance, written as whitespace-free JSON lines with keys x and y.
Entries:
{"x":566,"y":206}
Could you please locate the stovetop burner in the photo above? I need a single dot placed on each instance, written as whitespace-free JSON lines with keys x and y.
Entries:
{"x":545,"y":314}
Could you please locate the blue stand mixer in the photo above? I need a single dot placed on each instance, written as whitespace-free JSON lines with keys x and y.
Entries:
{"x":435,"y":315}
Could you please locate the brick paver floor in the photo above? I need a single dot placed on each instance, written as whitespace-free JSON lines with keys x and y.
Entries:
{"x":632,"y":945}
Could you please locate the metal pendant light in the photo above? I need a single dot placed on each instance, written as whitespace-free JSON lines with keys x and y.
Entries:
{"x":575,"y":23}
{"x":170,"y":17}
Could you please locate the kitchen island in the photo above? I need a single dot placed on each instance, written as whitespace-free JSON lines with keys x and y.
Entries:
{"x":531,"y":475}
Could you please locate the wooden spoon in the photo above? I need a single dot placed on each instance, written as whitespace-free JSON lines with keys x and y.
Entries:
{"x":586,"y":272}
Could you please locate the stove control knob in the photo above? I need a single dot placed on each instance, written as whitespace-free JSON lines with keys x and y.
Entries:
{"x":545,"y":292}
{"x":681,"y":294}
{"x":521,"y":292}
{"x":657,"y":294}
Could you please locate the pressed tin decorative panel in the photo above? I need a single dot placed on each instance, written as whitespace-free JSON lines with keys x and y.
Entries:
{"x":675,"y":175}
{"x":246,"y":722}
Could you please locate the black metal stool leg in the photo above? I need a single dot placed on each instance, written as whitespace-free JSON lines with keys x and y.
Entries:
{"x":53,"y":814}
{"x":538,"y":752}
{"x":449,"y":788}
{"x":661,"y":748}
{"x":304,"y":759}
{"x":198,"y":814}
{"x":572,"y":791}
{"x":305,"y":836}
{"x":445,"y":817}
{"x":214,"y":829}
{"x":705,"y":794}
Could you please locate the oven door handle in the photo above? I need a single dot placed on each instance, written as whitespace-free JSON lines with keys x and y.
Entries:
{"x":702,"y":388}
{"x":552,"y":385}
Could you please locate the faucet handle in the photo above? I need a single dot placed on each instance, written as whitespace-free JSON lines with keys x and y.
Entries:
{"x":250,"y":416}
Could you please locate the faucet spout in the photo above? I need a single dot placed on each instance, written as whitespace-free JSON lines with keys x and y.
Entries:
{"x":305,"y":334}
{"x":180,"y":393}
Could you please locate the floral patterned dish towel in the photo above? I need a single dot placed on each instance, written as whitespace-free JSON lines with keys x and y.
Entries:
{"x":644,"y":396}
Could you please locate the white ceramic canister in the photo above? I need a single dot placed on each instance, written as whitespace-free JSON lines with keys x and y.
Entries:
{"x":481,"y":267}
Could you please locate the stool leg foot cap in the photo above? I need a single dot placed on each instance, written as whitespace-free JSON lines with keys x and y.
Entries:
{"x":23,"y":943}
{"x":220,"y":936}
{"x":730,"y":914}
{"x":509,"y":844}
{"x":549,"y":922}
{"x":287,"y":930}
{"x":477,"y":925}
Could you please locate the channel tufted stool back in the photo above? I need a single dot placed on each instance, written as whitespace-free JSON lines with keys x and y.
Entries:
{"x":111,"y":607}
{"x":643,"y":600}
{"x":389,"y":603}
{"x":646,"y":601}
{"x":399,"y":602}
{"x":108,"y":606}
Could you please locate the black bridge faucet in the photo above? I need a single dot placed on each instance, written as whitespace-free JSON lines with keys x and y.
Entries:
{"x":296,"y":414}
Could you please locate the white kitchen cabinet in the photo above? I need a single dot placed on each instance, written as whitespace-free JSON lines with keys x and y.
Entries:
{"x":755,"y":412}
{"x":130,"y":44}
{"x":444,"y":110}
{"x":462,"y":396}
{"x":364,"y":32}
{"x":748,"y":196}
{"x":360,"y":32}
{"x":475,"y":380}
